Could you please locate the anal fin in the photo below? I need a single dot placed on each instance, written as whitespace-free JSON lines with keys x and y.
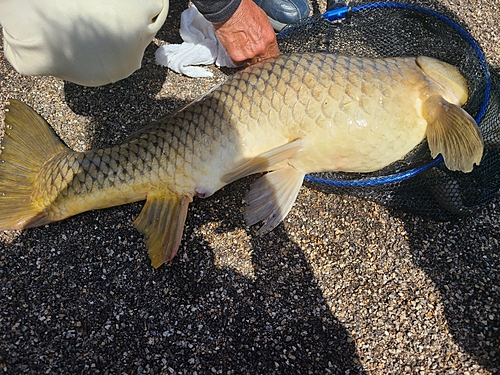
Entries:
{"x":272,"y":196}
{"x":162,"y":223}
{"x":265,"y":161}
{"x":453,"y":133}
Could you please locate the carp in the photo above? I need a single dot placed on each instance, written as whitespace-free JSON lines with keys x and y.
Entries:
{"x":285,"y":117}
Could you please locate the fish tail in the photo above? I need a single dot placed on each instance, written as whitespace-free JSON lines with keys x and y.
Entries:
{"x":453,"y":133}
{"x":28,"y":143}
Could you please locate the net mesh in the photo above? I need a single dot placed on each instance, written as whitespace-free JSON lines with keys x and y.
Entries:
{"x":418,"y":183}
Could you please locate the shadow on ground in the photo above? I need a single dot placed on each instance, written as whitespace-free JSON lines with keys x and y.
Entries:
{"x":118,"y":109}
{"x":98,"y":305}
{"x":81,"y":294}
{"x":465,"y":267}
{"x":462,"y":257}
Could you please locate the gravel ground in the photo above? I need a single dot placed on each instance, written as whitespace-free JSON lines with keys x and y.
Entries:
{"x":344,"y":286}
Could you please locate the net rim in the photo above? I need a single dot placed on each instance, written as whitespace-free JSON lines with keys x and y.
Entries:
{"x":343,"y":12}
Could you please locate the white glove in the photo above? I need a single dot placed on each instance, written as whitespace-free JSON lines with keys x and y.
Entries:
{"x":200,"y":47}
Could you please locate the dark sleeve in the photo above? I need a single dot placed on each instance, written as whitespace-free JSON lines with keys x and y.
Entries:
{"x":217,"y":10}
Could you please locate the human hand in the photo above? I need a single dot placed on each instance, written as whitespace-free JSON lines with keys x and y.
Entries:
{"x":247,"y":35}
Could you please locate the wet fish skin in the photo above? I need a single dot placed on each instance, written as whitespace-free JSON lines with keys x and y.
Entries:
{"x":292,"y":115}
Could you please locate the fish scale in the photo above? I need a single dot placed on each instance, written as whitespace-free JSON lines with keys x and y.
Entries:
{"x":288,"y":116}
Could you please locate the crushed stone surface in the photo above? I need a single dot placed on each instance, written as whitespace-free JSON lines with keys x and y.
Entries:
{"x":343,"y":286}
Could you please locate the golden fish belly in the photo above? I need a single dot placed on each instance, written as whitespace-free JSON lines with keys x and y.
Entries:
{"x":359,"y":140}
{"x":353,"y":114}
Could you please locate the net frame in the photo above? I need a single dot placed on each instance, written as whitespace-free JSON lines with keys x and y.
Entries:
{"x":418,"y":183}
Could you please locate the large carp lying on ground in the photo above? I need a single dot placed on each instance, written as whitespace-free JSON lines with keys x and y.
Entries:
{"x":288,"y":116}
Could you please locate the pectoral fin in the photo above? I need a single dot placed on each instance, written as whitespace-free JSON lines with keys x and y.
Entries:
{"x":446,"y":75}
{"x":272,"y":196}
{"x":453,"y":133}
{"x":265,"y":161}
{"x":162,"y":223}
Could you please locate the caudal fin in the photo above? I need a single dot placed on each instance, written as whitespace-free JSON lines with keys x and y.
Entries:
{"x":453,"y":133}
{"x":28,"y":143}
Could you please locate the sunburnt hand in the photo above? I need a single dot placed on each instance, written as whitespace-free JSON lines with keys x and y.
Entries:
{"x":247,"y":35}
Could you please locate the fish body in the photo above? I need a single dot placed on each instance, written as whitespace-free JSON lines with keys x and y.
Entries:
{"x":289,"y":116}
